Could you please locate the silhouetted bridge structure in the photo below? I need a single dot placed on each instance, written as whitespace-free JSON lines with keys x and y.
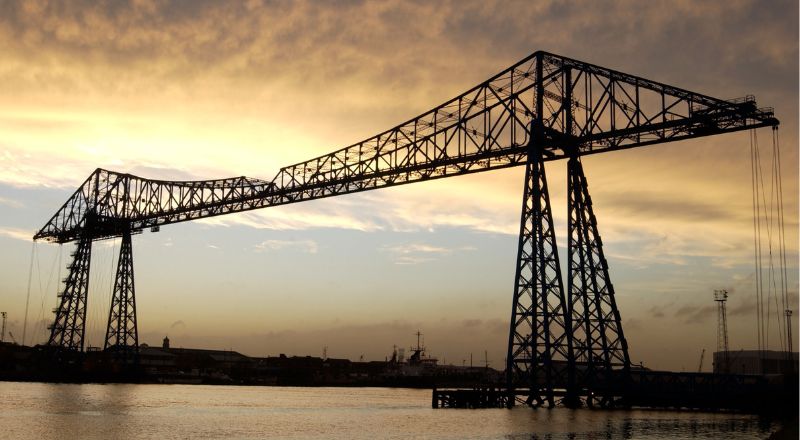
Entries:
{"x":562,"y":339}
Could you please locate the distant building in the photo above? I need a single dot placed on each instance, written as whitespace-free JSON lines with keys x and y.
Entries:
{"x":165,"y":343}
{"x":756,"y":362}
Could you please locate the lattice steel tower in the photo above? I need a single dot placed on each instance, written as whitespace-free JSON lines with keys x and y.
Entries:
{"x":122,"y":333}
{"x":599,"y":343}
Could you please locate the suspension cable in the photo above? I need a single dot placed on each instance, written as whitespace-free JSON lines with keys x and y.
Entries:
{"x":782,"y":234}
{"x":773,"y":230}
{"x":766,"y":317}
{"x":765,"y":209}
{"x":769,"y":224}
{"x":28,"y":295}
{"x":756,"y":239}
{"x":43,"y":291}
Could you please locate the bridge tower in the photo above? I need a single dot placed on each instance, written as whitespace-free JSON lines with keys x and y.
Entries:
{"x":575,"y":341}
{"x":599,"y":344}
{"x":68,"y":327}
{"x":122,"y":333}
{"x":92,"y":222}
{"x":539,"y":345}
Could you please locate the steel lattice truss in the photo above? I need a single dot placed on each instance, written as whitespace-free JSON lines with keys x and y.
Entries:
{"x":546,"y":107}
{"x":599,"y":345}
{"x":539,"y":338}
{"x":122,"y":330}
{"x":68,"y":327}
{"x":584,"y":108}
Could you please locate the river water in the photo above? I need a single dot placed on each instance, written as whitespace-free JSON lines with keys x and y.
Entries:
{"x":62,"y":411}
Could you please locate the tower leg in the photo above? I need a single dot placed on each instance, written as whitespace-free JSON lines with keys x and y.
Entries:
{"x":68,"y":328}
{"x":540,"y":345}
{"x":599,"y":344}
{"x":122,"y":332}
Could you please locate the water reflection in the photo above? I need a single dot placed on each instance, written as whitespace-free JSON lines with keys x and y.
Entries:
{"x":556,"y":424}
{"x":45,"y":411}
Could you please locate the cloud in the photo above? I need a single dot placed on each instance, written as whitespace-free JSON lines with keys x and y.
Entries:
{"x":306,"y":246}
{"x":336,"y":214}
{"x":173,"y":90}
{"x":257,"y":43}
{"x":16,"y":204}
{"x":656,"y":311}
{"x":638,"y":203}
{"x":416,"y":253}
{"x":744,"y":307}
{"x":157,"y":172}
{"x":633,"y":324}
{"x":178,"y":325}
{"x":412,"y":248}
{"x":17,"y":234}
{"x":412,"y":260}
{"x":693,"y":314}
{"x":747,"y":305}
{"x":220,"y":90}
{"x":374,"y":340}
{"x":467,"y":203}
{"x":29,"y":163}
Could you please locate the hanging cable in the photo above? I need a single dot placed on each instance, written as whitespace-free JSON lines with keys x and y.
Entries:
{"x":782,"y":236}
{"x":756,"y":239}
{"x":44,"y":292}
{"x":111,"y":280}
{"x":28,"y":294}
{"x":773,"y":230}
{"x":92,"y":320}
{"x":766,"y":315}
{"x":765,"y":210}
{"x":40,"y":316}
{"x":769,"y":225}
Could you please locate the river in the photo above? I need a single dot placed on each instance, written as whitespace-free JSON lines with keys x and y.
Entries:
{"x":65,"y":411}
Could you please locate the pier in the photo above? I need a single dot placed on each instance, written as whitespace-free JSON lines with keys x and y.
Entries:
{"x":757,"y":394}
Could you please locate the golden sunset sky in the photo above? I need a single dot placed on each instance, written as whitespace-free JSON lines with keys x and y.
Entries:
{"x":209,"y":89}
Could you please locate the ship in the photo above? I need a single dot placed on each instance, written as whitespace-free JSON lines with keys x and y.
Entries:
{"x":418,"y":364}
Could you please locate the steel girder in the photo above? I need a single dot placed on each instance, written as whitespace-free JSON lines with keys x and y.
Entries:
{"x":122,"y":332}
{"x":584,"y":109}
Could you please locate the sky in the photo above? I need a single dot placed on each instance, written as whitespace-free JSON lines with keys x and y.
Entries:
{"x":205,"y":89}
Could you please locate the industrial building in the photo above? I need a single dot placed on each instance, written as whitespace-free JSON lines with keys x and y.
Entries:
{"x":756,"y":362}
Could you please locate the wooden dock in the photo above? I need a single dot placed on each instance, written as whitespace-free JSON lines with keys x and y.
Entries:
{"x":471,"y":398}
{"x":771,"y":394}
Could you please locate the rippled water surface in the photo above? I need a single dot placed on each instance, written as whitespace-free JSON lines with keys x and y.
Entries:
{"x":59,"y":411}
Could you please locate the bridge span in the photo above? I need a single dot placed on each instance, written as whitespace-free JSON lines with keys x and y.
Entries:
{"x":565,"y":341}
